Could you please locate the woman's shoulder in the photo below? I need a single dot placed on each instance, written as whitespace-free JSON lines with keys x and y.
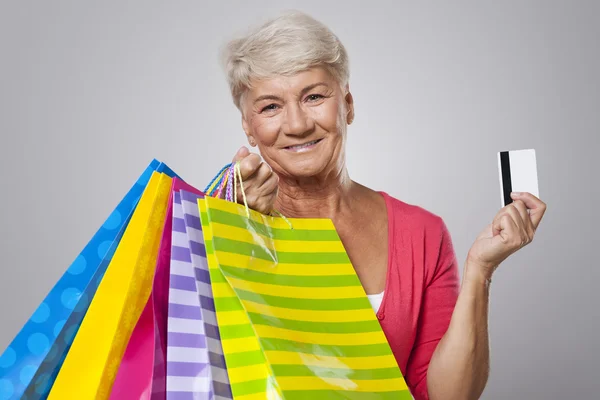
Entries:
{"x":414,"y":229}
{"x":407,"y":215}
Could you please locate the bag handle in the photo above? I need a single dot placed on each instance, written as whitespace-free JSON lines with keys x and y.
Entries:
{"x":228,"y":178}
{"x":216,"y":181}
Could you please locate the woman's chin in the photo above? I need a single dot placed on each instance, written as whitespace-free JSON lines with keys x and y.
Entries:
{"x":304,"y":170}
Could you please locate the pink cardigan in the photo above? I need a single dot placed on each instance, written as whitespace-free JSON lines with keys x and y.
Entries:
{"x":421,"y":289}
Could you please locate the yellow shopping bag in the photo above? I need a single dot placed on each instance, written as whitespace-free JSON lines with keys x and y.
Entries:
{"x":249,"y":375}
{"x":93,"y":360}
{"x":294,"y":319}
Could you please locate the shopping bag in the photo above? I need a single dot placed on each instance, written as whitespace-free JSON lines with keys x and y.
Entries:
{"x":142,"y":371}
{"x":195,"y":363}
{"x":89,"y":369}
{"x":29,"y":365}
{"x":249,"y":376}
{"x":308,"y":311}
{"x":133,"y":380}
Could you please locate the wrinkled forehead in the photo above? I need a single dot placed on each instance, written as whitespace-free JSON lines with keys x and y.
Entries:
{"x":292,"y":85}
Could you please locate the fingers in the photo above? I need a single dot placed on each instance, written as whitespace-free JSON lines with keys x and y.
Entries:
{"x":505,"y":225}
{"x":509,"y":211}
{"x":249,"y":165}
{"x":262,"y":198}
{"x":521,"y":210}
{"x":259,"y":182}
{"x":509,"y":232}
{"x":514,"y":225}
{"x":516,"y":212}
{"x":242,"y":153}
{"x":271,"y":184}
{"x":262,"y":183}
{"x":525,"y":220}
{"x":263,"y":173}
{"x":536,"y":206}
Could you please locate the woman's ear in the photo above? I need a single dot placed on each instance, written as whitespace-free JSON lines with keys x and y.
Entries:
{"x":349,"y":106}
{"x":246,"y":127}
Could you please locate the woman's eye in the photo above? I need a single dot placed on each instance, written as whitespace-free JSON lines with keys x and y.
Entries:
{"x":314,"y":97}
{"x":270,"y":107}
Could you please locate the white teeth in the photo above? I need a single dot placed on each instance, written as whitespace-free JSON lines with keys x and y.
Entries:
{"x":301,"y":146}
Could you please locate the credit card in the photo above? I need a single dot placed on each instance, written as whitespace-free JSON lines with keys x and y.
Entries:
{"x":518,"y":173}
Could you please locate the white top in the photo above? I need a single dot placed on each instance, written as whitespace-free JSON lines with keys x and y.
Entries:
{"x":375,"y":300}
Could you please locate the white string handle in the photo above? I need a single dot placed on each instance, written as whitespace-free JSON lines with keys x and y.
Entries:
{"x":238,"y":176}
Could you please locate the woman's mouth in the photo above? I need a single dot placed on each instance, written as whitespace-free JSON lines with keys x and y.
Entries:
{"x":299,"y":148}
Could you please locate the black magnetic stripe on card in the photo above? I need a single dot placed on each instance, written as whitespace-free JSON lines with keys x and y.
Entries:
{"x":506,"y":181}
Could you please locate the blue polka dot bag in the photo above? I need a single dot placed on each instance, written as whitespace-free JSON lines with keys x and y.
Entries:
{"x":31,"y":362}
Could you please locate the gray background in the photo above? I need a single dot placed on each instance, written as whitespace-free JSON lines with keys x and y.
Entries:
{"x":89,"y":94}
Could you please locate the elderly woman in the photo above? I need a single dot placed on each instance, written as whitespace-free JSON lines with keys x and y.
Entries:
{"x":289,"y":79}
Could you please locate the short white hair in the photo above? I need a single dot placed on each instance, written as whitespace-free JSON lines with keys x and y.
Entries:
{"x":285,"y":45}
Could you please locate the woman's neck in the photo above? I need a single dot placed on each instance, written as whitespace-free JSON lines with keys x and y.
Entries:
{"x":315,"y":198}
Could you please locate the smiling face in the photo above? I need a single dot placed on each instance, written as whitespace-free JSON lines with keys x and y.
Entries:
{"x":299,"y":123}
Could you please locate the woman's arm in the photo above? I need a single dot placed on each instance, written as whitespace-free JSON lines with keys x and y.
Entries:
{"x":459,"y":367}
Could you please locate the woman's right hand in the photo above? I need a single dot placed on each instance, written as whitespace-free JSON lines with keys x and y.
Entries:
{"x":259,"y":181}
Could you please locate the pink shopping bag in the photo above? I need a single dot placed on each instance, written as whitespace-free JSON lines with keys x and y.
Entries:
{"x":142,"y":372}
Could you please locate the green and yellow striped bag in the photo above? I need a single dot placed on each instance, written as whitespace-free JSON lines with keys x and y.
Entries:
{"x":294,"y":320}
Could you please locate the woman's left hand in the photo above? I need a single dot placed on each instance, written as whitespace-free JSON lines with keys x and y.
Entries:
{"x":512,"y":229}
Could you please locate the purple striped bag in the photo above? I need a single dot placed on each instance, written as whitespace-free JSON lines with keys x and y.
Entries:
{"x":218,"y":369}
{"x":195,"y":362}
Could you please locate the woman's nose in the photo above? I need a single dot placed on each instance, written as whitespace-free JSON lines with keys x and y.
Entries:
{"x":297,"y":122}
